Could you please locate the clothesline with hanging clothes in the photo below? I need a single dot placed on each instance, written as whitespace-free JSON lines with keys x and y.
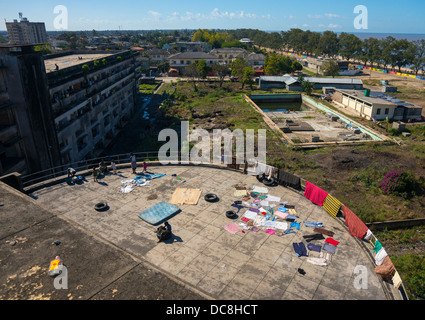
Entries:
{"x":333,"y":207}
{"x":357,"y":228}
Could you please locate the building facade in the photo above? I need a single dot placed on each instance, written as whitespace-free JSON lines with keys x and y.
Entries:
{"x":28,"y":141}
{"x":60,"y":117}
{"x":181,"y":61}
{"x":376,"y":106}
{"x":91,"y":103}
{"x":25,"y":32}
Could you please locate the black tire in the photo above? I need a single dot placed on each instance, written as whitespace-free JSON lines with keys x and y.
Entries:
{"x":231,"y":214}
{"x":211,"y":197}
{"x":261,"y":177}
{"x":101,"y":206}
{"x":269,"y":182}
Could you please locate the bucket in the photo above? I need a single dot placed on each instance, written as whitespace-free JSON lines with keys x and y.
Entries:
{"x":367,"y":93}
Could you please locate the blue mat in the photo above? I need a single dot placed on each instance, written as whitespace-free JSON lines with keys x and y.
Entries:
{"x":159,"y":212}
{"x":149,"y":176}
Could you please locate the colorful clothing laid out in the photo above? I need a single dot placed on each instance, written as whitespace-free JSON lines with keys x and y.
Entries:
{"x":295,"y":225}
{"x":356,"y":226}
{"x":250,"y":215}
{"x":300,"y":249}
{"x":329,"y":248}
{"x":323,"y":231}
{"x":232,"y":227}
{"x":332,"y":205}
{"x":332,"y":241}
{"x":314,"y":247}
{"x":312,"y":237}
{"x":315,"y":194}
{"x":270,"y":231}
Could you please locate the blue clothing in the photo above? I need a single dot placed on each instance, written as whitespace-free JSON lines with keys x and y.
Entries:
{"x":295,"y":225}
{"x":300,"y":249}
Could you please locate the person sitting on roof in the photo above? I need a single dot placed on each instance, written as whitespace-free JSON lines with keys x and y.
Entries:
{"x":164,"y":232}
{"x":71,"y":172}
{"x":103,"y":168}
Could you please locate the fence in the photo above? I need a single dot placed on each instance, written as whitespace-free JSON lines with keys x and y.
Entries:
{"x":83,"y":165}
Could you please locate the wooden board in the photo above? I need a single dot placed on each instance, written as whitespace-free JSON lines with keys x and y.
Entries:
{"x":185,"y":196}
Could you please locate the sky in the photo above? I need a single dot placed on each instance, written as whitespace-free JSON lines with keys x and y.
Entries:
{"x":390,"y":16}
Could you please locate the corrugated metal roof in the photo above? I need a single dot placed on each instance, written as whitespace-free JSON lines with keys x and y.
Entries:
{"x":288,"y":79}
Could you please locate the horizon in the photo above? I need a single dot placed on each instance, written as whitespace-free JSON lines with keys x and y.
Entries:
{"x":224,"y":15}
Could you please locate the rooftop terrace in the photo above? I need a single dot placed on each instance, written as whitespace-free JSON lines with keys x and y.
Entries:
{"x":72,"y":60}
{"x":115,"y":254}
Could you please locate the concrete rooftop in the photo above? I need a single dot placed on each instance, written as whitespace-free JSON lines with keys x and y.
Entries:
{"x":115,"y":254}
{"x":72,"y":60}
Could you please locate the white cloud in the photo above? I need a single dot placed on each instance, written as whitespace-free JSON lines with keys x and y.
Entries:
{"x":213,"y":15}
{"x":156,"y":15}
{"x":331,"y":15}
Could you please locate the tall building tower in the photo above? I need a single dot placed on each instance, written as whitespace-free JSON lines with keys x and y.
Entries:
{"x":25,"y":32}
{"x":28,"y":141}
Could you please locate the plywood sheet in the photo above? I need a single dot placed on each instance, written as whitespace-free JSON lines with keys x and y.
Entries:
{"x":185,"y":196}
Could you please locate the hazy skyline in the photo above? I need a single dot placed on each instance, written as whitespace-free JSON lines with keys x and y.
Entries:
{"x":338,"y":16}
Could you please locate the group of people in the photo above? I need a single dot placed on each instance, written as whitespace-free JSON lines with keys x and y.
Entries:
{"x":103,"y":168}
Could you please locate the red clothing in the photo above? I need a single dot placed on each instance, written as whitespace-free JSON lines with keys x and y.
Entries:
{"x":315,"y":194}
{"x":355,"y":225}
{"x":332,"y":241}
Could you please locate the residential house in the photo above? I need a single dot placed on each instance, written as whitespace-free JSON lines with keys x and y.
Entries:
{"x":180,"y":61}
{"x":227,"y":55}
{"x":157,"y":56}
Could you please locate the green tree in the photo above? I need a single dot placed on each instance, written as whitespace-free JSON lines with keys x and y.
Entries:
{"x":328,"y":44}
{"x":399,"y":53}
{"x":349,"y":45}
{"x":385,"y":49}
{"x":191,"y":72}
{"x":306,"y":86}
{"x":164,"y":67}
{"x":330,"y":68}
{"x":271,"y":65}
{"x":417,"y":51}
{"x":237,"y":67}
{"x":221,"y":71}
{"x":248,"y":75}
{"x":202,"y":69}
{"x":296,"y":66}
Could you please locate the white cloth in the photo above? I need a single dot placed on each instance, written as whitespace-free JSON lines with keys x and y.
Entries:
{"x":264,"y":203}
{"x":260,"y":189}
{"x":250,"y":215}
{"x":269,"y":224}
{"x":281,"y":225}
{"x":261,"y":168}
{"x":273,"y":198}
{"x":380,"y":256}
{"x":317,"y":261}
{"x":259,"y":220}
{"x":368,"y":235}
{"x":127,"y":188}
